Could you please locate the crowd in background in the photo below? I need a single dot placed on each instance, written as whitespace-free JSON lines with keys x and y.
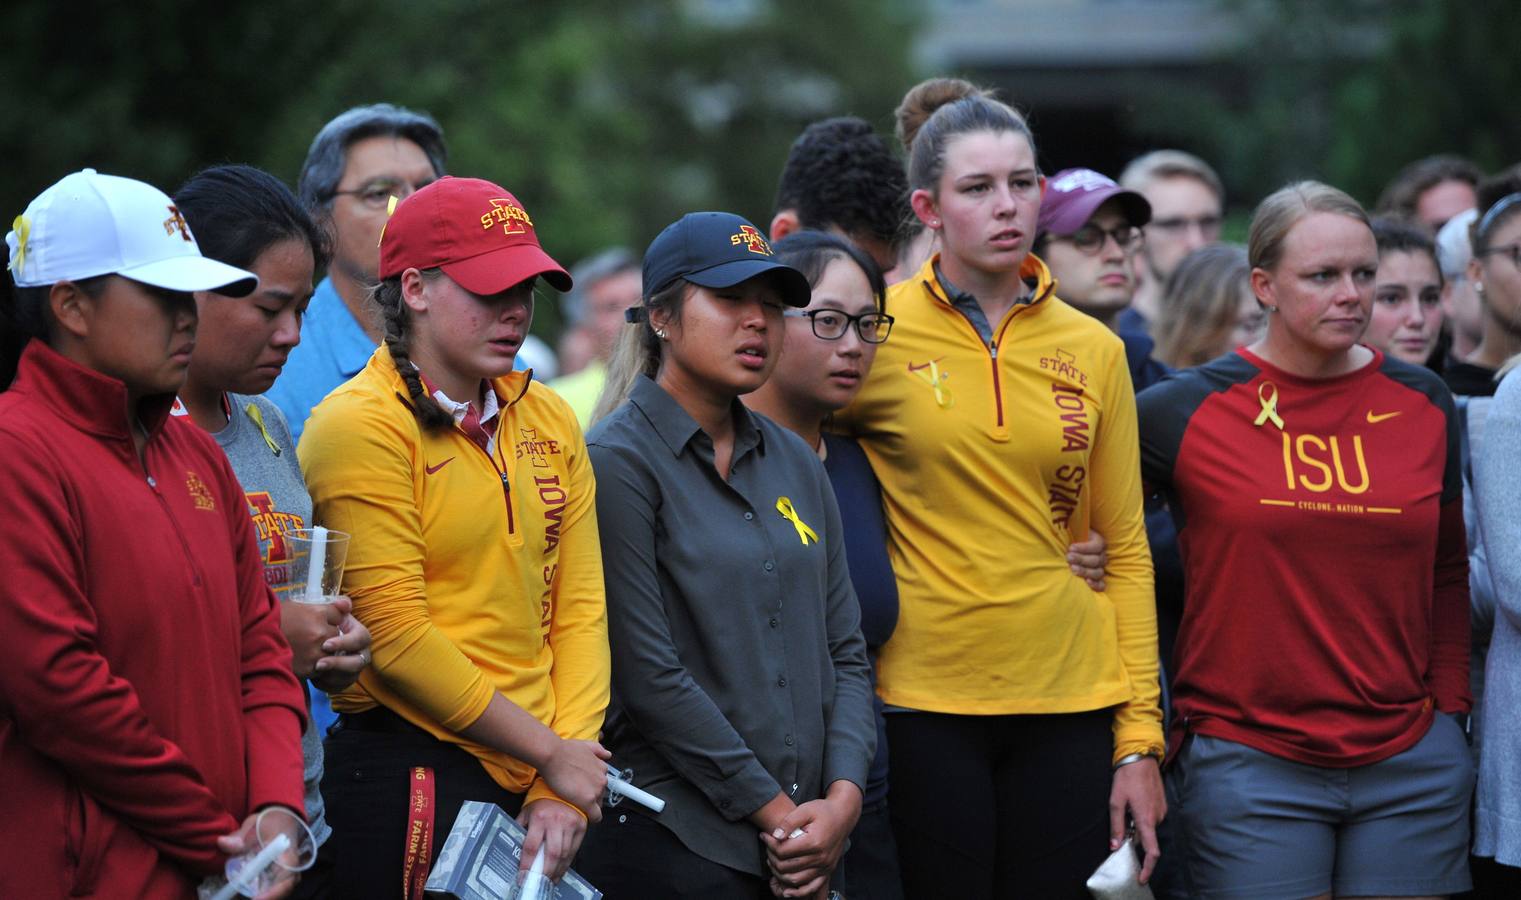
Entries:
{"x":963,"y":526}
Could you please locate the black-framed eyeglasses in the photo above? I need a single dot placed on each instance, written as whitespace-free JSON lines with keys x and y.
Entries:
{"x":377,"y":192}
{"x":830,"y":324}
{"x":1090,"y":239}
{"x":1511,"y":250}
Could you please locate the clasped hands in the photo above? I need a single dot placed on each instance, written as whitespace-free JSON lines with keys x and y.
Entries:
{"x":805,"y":844}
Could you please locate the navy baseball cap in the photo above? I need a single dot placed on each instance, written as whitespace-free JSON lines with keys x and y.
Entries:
{"x":1073,"y":195}
{"x":717,"y":250}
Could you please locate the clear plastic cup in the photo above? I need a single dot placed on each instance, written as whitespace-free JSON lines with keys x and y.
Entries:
{"x":327,"y":548}
{"x":273,"y":860}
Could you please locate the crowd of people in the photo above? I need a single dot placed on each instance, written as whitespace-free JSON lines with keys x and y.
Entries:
{"x":960,"y":529}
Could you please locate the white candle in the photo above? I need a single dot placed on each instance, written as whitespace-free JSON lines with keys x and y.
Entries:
{"x":642,"y":797}
{"x":248,"y":876}
{"x":533,"y":883}
{"x":318,"y":562}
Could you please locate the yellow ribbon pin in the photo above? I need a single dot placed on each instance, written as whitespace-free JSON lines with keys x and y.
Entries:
{"x":257,"y":416}
{"x":390,"y":211}
{"x":1267,"y":395}
{"x":23,"y":230}
{"x":934,"y":379}
{"x":784,"y":506}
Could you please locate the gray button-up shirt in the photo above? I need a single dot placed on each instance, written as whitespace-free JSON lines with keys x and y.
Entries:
{"x":739,"y":670}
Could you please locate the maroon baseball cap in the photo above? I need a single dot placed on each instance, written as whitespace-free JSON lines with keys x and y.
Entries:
{"x":1072,"y":196}
{"x":476,"y":231}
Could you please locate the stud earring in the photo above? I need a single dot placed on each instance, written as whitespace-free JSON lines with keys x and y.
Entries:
{"x":660,"y":333}
{"x":1478,"y":288}
{"x":934,"y":223}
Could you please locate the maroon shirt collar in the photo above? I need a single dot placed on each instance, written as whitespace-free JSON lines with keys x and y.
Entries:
{"x":93,"y":402}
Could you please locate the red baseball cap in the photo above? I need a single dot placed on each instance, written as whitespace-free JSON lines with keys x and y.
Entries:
{"x":476,"y":231}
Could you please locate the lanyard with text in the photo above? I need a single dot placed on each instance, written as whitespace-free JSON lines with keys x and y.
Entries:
{"x":414,"y":871}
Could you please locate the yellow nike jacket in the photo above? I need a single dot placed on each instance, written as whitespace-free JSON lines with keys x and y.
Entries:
{"x":475,"y":572}
{"x":993,"y":458}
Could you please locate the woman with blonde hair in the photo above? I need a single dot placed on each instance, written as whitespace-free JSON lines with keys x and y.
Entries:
{"x":1001,"y":423}
{"x":1208,"y":307}
{"x":1321,"y":669}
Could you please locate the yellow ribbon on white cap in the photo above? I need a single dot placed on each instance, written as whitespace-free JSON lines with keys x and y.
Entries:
{"x":390,"y":210}
{"x":784,"y":506}
{"x":23,"y":230}
{"x":1267,"y":395}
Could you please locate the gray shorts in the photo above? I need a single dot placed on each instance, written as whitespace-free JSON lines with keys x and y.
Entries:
{"x":1257,"y":826}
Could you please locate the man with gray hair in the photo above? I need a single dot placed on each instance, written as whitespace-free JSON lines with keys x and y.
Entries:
{"x":1462,"y":306}
{"x":1187,"y":206}
{"x":606,"y":284}
{"x":356,"y":164}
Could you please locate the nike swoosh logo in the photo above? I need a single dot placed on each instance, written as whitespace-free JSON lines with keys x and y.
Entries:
{"x":433,"y":469}
{"x":1374,"y":419}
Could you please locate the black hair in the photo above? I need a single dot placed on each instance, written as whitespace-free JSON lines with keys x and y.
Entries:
{"x":396,"y":326}
{"x":811,"y":252}
{"x":238,"y":212}
{"x":24,"y":315}
{"x":841,"y":174}
{"x":1396,"y":235}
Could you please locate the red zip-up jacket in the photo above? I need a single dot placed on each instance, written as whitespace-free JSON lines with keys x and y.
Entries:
{"x":146,"y":697}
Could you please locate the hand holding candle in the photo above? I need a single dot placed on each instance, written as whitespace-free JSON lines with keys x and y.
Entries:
{"x":317,"y":570}
{"x":620,"y":785}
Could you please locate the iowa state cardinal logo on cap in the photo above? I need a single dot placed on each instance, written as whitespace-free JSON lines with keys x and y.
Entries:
{"x":752,"y":239}
{"x":509,"y":215}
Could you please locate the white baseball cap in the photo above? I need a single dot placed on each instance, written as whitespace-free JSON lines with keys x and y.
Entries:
{"x":90,"y":224}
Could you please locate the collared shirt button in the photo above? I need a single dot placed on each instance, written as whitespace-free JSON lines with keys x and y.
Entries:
{"x":787,"y":740}
{"x":749,"y":516}
{"x":723,"y":804}
{"x":770,"y":565}
{"x":781,"y":682}
{"x":774,"y":622}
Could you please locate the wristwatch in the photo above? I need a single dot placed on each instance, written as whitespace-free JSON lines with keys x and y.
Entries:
{"x":1137,"y":757}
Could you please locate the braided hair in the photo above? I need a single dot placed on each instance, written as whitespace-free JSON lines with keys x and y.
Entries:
{"x":396,"y":322}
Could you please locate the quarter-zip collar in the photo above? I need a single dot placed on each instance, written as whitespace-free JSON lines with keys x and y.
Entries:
{"x":1033,"y":272}
{"x":88,"y":400}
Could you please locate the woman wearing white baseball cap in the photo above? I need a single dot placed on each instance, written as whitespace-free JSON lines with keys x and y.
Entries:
{"x":149,"y":703}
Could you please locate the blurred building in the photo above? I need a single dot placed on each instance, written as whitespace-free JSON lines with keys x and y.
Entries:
{"x":1093,"y":75}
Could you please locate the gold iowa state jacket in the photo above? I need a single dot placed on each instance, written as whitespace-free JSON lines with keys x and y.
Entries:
{"x":475,"y":572}
{"x":993,"y":457}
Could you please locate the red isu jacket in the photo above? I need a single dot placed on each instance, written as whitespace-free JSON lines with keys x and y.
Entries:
{"x":146,"y":697}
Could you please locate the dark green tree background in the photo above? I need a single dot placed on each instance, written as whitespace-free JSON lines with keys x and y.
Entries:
{"x":609,"y":119}
{"x":1349,"y":91}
